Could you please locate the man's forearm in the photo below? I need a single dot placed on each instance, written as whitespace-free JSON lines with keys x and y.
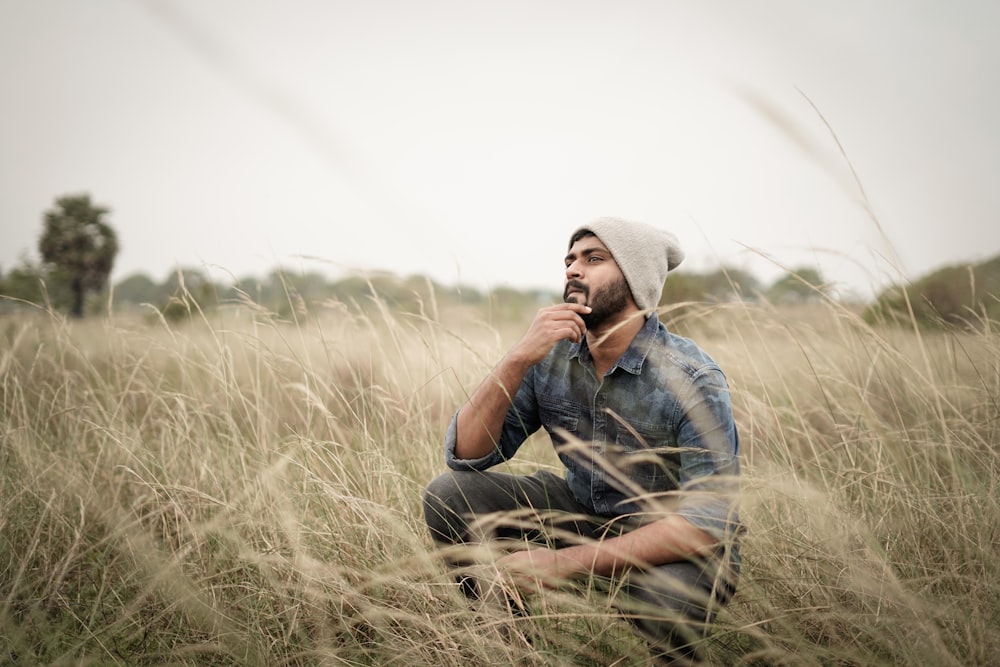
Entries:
{"x":667,"y":540}
{"x":480,"y":420}
{"x":664,"y":541}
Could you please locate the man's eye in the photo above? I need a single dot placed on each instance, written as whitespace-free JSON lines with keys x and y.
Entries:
{"x":593,"y":258}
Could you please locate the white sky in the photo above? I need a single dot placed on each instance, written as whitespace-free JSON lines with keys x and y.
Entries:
{"x":464,"y":140}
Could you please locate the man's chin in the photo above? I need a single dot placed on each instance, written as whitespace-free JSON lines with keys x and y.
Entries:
{"x":575,"y":297}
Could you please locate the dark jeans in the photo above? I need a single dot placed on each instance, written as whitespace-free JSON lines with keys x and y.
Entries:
{"x":671,"y":605}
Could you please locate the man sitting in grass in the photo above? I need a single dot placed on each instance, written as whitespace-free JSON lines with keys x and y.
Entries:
{"x":642,"y":420}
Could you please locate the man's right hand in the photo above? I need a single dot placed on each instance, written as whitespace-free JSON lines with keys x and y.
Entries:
{"x":551,"y":325}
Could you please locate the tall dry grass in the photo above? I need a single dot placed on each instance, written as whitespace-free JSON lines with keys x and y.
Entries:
{"x":239,"y":490}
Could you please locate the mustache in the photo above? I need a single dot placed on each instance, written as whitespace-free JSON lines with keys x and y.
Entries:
{"x":575,"y":284}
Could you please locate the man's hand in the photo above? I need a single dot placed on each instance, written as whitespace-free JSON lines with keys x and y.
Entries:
{"x":551,"y":325}
{"x":533,"y":570}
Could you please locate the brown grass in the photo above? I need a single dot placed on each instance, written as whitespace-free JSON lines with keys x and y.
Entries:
{"x":242,"y":490}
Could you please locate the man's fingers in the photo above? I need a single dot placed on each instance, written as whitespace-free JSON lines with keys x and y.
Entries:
{"x":555,"y":318}
{"x":572,"y":306}
{"x":551,"y":325}
{"x":566,"y":328}
{"x":571,"y":312}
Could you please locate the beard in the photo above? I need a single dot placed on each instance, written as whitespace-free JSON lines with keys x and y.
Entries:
{"x":606,"y":303}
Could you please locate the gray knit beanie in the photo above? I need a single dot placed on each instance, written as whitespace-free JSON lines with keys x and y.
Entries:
{"x":643,"y":253}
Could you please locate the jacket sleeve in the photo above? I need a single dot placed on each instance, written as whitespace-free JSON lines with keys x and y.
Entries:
{"x":709,"y":444}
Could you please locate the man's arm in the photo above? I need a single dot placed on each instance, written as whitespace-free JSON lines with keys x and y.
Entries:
{"x":666,"y":540}
{"x":480,"y":420}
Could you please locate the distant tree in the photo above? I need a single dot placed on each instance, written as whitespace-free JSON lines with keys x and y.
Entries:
{"x":26,"y":282}
{"x":797,"y":286}
{"x":963,"y":295}
{"x":138,"y":288}
{"x":363,"y":290}
{"x":682,"y":287}
{"x":78,"y":246}
{"x":282,"y":291}
{"x":288,"y":287}
{"x":731,"y":284}
{"x":723,"y":284}
{"x":186,"y":290}
{"x":187,"y":279}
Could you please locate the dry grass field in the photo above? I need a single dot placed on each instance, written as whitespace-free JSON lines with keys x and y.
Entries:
{"x":243,"y":490}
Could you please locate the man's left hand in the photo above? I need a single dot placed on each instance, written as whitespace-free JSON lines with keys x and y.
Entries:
{"x":533,"y":570}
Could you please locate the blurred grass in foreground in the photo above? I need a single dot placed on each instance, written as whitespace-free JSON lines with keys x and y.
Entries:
{"x":240,"y":490}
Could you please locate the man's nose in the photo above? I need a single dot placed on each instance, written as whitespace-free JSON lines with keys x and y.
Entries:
{"x":573,"y":270}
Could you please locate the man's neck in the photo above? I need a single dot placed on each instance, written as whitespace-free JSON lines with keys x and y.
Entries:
{"x":609,"y":342}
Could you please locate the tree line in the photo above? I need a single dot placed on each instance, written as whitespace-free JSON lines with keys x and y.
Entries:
{"x":78,"y":246}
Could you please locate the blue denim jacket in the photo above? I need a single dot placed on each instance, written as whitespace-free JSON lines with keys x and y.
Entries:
{"x":656,"y":435}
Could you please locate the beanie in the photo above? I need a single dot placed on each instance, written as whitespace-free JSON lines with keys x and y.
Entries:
{"x":643,"y":253}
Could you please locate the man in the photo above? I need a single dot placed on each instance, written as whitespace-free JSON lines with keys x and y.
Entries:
{"x":641,"y":419}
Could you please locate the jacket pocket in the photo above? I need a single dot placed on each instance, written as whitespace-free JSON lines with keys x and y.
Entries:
{"x":559,"y":414}
{"x":646,"y":454}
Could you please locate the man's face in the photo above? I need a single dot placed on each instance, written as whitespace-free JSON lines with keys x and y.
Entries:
{"x":594,"y":279}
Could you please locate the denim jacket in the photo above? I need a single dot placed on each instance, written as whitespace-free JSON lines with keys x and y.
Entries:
{"x":655,"y":434}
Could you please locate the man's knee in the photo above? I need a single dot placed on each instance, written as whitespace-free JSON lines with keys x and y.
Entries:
{"x":441,"y":488}
{"x":439,"y":514}
{"x":446,"y":506}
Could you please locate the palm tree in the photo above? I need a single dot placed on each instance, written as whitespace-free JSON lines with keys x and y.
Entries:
{"x":79,"y":246}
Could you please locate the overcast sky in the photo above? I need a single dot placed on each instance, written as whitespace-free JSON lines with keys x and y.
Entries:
{"x":464,"y":140}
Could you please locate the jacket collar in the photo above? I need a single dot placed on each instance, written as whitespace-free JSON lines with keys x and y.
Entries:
{"x":634,"y":355}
